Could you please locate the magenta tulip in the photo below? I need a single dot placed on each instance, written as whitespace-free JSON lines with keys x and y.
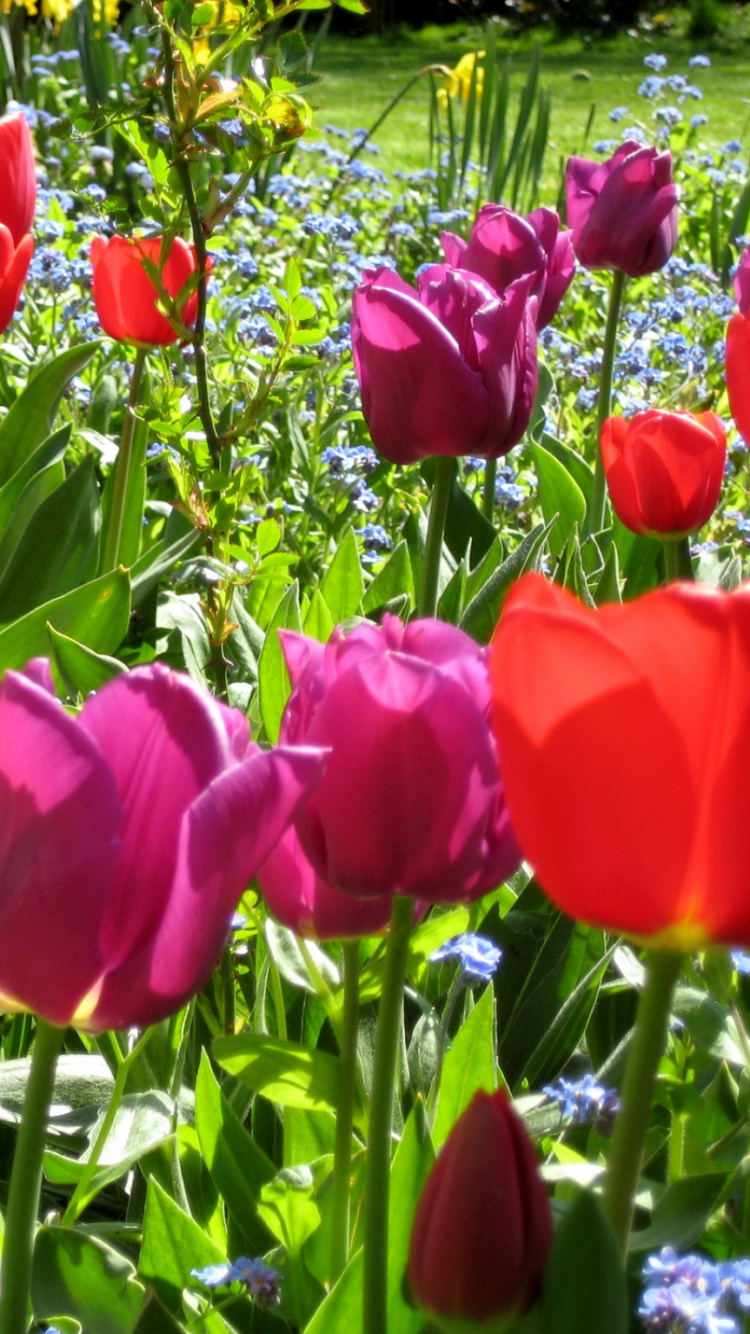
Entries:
{"x":411,"y":800}
{"x":129,"y":834}
{"x":301,"y":900}
{"x":504,"y":247}
{"x":482,"y":1231}
{"x":17,"y":177}
{"x":623,"y":212}
{"x":741,"y":282}
{"x":450,"y":368}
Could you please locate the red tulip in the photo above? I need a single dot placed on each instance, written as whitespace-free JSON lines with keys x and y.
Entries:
{"x":129,"y":834}
{"x":623,"y":212}
{"x":17,"y":177}
{"x":504,"y":247}
{"x":624,"y":734}
{"x":738,"y":371}
{"x":124,"y":295}
{"x":664,"y":470}
{"x":448,"y":369}
{"x":411,"y":800}
{"x":14,"y":265}
{"x":483,"y":1227}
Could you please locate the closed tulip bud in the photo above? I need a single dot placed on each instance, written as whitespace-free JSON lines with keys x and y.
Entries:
{"x":738,"y":365}
{"x":130,"y":832}
{"x":482,"y":1231}
{"x":17,"y":177}
{"x":411,"y":801}
{"x":14,"y":265}
{"x":504,"y":247}
{"x":741,"y":282}
{"x":664,"y":470}
{"x":125,"y":296}
{"x":450,"y":368}
{"x":623,"y":212}
{"x":624,"y":733}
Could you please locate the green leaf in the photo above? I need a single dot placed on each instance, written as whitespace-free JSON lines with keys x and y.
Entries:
{"x":79,"y":1276}
{"x":96,"y":615}
{"x":80,"y":669}
{"x":183,"y":613}
{"x":155,"y":1319}
{"x":682,"y":1213}
{"x":160,"y":560}
{"x":238,"y":1167}
{"x":142,"y":1121}
{"x":292,"y":1215}
{"x":470,"y":1065}
{"x":45,"y":456}
{"x":585,"y":1286}
{"x":317,"y":621}
{"x":572,"y":461}
{"x":30,"y":417}
{"x":273,"y":678}
{"x":560,"y":496}
{"x":285,"y":1072}
{"x":172,"y":1245}
{"x":267,"y":536}
{"x":481,"y":615}
{"x":392,"y":581}
{"x":58,"y":550}
{"x":342,"y":585}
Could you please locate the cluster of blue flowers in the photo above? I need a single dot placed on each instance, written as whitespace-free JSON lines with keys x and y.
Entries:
{"x":261,"y":1282}
{"x":584,"y":1100}
{"x":689,"y":1294}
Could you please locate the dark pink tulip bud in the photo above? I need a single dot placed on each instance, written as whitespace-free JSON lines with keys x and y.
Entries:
{"x":130,"y":833}
{"x":450,"y":368}
{"x":504,"y":247}
{"x":411,"y":800}
{"x":483,"y":1227}
{"x":17,"y":176}
{"x":741,"y":282}
{"x":623,"y":212}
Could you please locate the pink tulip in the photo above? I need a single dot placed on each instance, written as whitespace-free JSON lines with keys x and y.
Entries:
{"x":504,"y":247}
{"x":129,"y":834}
{"x":411,"y":800}
{"x":301,"y":900}
{"x":17,"y":177}
{"x":623,"y":212}
{"x":741,"y":282}
{"x":450,"y":368}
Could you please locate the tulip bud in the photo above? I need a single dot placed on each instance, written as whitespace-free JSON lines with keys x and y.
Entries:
{"x":664,"y":470}
{"x":17,"y":176}
{"x":623,"y":212}
{"x":124,"y":294}
{"x":483,"y":1227}
{"x":14,"y":265}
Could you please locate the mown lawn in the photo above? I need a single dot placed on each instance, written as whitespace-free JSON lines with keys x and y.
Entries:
{"x":361,"y":76}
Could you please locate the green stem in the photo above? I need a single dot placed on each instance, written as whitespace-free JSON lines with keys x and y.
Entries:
{"x":488,"y":497}
{"x":123,"y":465}
{"x":375,"y":1217}
{"x":595,"y":516}
{"x":26,"y":1182}
{"x":342,"y":1153}
{"x":678,"y":563}
{"x":445,"y":467}
{"x":631,"y":1126}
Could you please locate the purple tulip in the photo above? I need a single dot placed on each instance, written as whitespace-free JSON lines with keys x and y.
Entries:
{"x":129,"y":834}
{"x":301,"y":900}
{"x":450,"y":368}
{"x":411,"y":801}
{"x":741,"y":282}
{"x":623,"y":212}
{"x":504,"y":247}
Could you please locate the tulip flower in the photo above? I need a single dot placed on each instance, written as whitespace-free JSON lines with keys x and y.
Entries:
{"x":125,"y":296}
{"x":504,"y":247}
{"x":482,"y":1231}
{"x":623,"y":212}
{"x":738,"y":349}
{"x":14,"y":265}
{"x":664,"y":470}
{"x":129,"y":834}
{"x":301,"y":900}
{"x":741,"y":282}
{"x":624,"y":733}
{"x":17,"y":177}
{"x":411,"y":801}
{"x":450,"y":368}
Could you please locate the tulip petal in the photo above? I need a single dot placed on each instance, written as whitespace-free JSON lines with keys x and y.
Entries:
{"x":58,"y":852}
{"x":214,"y":865}
{"x":738,"y":372}
{"x":17,"y":176}
{"x":505,"y":333}
{"x":418,"y":394}
{"x":301,"y":900}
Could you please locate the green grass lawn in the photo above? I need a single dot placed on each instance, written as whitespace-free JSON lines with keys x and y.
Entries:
{"x":362,"y":75}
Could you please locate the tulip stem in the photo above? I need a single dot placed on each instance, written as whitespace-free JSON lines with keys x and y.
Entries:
{"x":637,"y":1093}
{"x":677,"y":560}
{"x":445,"y":468}
{"x":342,"y":1153}
{"x":595,"y":516}
{"x":26,"y":1182}
{"x":488,"y":498}
{"x":375,"y":1219}
{"x":123,"y":469}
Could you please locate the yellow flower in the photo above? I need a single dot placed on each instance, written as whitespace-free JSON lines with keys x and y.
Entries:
{"x":59,"y":10}
{"x":458,"y":81}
